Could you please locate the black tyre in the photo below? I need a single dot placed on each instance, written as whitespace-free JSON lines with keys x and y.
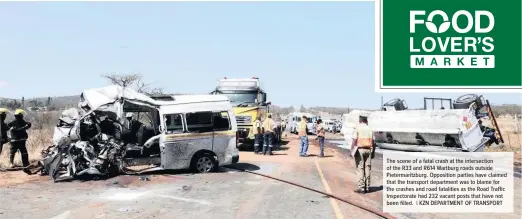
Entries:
{"x":464,"y":101}
{"x":204,"y":163}
{"x":392,"y":102}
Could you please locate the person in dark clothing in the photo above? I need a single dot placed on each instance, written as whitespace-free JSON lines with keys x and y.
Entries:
{"x":3,"y":128}
{"x":488,"y":132}
{"x":19,"y":136}
{"x":131,"y":129}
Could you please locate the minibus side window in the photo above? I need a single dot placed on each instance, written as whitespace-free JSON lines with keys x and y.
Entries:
{"x":174,"y":123}
{"x":221,"y":121}
{"x":199,"y":122}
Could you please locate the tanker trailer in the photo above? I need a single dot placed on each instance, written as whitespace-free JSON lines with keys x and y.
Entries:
{"x":424,"y":130}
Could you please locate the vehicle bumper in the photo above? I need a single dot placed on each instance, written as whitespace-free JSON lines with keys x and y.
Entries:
{"x":244,"y":133}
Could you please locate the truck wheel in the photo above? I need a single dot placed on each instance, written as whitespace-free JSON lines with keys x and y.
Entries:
{"x":464,"y":101}
{"x":204,"y":163}
{"x":392,"y":102}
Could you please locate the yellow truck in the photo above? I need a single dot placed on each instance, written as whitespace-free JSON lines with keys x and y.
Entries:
{"x":248,"y":102}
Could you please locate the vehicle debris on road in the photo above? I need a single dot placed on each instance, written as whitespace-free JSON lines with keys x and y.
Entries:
{"x":93,"y":142}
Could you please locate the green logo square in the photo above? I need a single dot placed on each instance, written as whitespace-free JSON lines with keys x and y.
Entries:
{"x":451,"y":44}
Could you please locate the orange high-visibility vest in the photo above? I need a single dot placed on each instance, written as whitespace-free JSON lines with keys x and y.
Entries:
{"x":364,"y":135}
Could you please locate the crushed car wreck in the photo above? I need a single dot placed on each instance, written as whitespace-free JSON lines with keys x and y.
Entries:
{"x":117,"y":128}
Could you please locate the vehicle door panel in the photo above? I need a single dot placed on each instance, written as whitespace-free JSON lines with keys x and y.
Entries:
{"x":173,"y":142}
{"x":223,"y":136}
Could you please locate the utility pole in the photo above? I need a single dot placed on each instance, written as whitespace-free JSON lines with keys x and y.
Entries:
{"x":382,"y":101}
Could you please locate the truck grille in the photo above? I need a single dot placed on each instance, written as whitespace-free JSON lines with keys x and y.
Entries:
{"x":244,"y":119}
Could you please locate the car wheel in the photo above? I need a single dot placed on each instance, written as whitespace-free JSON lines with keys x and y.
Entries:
{"x":204,"y":163}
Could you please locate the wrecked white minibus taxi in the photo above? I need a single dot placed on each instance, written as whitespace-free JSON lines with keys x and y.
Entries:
{"x":117,"y":128}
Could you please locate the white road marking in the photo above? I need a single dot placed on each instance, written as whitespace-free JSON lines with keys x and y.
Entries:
{"x":252,"y":183}
{"x":63,"y":215}
{"x":126,"y":196}
{"x":186,"y":199}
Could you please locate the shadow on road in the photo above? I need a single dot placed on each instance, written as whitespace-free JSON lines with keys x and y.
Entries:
{"x":375,"y":189}
{"x":279,"y":154}
{"x":283,"y":142}
{"x":244,"y":166}
{"x":280,"y":148}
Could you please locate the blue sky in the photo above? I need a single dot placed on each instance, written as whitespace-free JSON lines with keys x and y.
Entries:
{"x":310,"y":53}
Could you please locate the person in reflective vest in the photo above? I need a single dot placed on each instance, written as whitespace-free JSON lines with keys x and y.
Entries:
{"x":303,"y":136}
{"x":363,"y":151}
{"x":258,"y":135}
{"x":320,"y":136}
{"x":19,"y":136}
{"x":269,"y":126}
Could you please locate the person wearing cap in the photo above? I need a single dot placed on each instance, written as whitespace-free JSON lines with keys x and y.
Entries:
{"x":3,"y":128}
{"x":18,"y":128}
{"x":258,"y":135}
{"x":269,"y":127}
{"x":131,"y":127}
{"x":303,"y":136}
{"x":362,"y":149}
{"x":320,"y":136}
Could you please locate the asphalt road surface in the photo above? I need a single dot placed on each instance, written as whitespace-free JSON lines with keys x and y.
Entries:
{"x":226,"y":194}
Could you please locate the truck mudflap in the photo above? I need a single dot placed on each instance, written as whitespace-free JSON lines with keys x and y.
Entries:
{"x":235,"y":159}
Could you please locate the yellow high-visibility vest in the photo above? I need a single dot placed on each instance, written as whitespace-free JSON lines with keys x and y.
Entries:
{"x":257,"y":124}
{"x":302,"y":128}
{"x":267,"y":125}
{"x":364,"y":135}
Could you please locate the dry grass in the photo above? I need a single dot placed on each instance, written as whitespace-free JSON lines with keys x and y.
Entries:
{"x":512,"y":137}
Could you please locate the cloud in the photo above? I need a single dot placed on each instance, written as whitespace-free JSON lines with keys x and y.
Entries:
{"x":3,"y":84}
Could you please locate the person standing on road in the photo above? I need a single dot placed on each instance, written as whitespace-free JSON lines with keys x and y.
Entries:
{"x":18,"y":128}
{"x":3,"y":128}
{"x":277,"y":136}
{"x":363,"y":150}
{"x":258,"y":135}
{"x":283,"y":126}
{"x":268,"y":130}
{"x":321,"y":136}
{"x":303,"y":136}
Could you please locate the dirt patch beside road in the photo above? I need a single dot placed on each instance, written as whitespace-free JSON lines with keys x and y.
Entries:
{"x":11,"y":178}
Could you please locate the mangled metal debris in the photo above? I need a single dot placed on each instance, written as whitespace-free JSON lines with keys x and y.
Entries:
{"x":98,"y":140}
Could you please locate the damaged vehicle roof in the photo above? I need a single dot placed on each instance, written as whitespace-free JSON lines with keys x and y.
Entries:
{"x":97,"y":97}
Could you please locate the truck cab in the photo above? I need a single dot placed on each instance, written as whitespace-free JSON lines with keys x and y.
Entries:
{"x":248,"y":102}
